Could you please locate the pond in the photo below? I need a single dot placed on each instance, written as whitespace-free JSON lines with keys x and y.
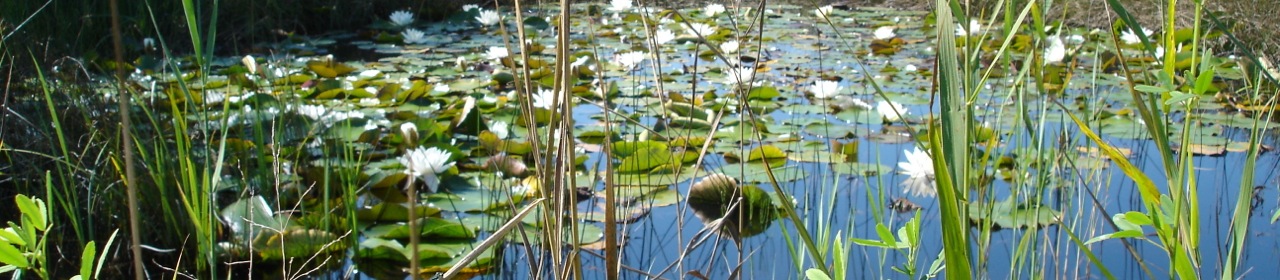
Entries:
{"x":833,"y":108}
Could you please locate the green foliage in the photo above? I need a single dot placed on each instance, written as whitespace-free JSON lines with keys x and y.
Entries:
{"x":23,"y":245}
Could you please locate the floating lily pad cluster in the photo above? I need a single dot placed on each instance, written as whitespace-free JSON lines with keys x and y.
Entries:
{"x":756,"y":97}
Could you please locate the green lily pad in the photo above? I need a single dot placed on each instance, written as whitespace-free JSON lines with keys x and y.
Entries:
{"x":1011,"y":214}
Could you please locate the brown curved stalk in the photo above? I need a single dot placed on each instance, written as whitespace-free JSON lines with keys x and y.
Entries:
{"x":126,"y":140}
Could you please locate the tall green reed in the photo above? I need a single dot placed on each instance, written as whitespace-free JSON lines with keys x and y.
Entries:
{"x":950,"y":148}
{"x":1175,"y":215}
{"x":177,"y":167}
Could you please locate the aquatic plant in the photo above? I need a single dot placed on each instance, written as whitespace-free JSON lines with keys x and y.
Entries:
{"x":629,"y":60}
{"x":711,"y":10}
{"x":401,"y":18}
{"x":620,"y":5}
{"x":413,"y":36}
{"x":920,"y":175}
{"x":884,"y":33}
{"x":1130,"y":38}
{"x":488,"y":17}
{"x":1054,"y":50}
{"x":823,"y":89}
{"x":699,"y":29}
{"x":824,"y":12}
{"x":426,"y":163}
{"x":729,"y":47}
{"x":663,"y":35}
{"x":973,"y":28}
{"x":891,"y":111}
{"x":739,"y":75}
{"x":495,"y":53}
{"x":730,"y":209}
{"x":519,"y":145}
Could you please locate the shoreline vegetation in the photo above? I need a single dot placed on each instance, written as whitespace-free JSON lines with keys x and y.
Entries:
{"x":912,"y":138}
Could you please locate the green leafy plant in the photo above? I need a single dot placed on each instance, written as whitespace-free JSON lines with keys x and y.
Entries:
{"x":906,"y":240}
{"x":23,"y":245}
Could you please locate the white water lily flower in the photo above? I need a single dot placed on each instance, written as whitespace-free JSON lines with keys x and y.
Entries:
{"x":545,"y":99}
{"x":401,"y":17}
{"x":620,"y":5}
{"x":739,"y":75}
{"x":920,"y":173}
{"x":730,"y":46}
{"x":1054,"y":51}
{"x":441,"y":87}
{"x":469,"y":7}
{"x":1130,"y":38}
{"x":884,"y":33}
{"x":713,"y":10}
{"x":414,"y":36}
{"x":887,"y":110}
{"x":426,"y":164}
{"x":974,"y":27}
{"x":488,"y":18}
{"x":909,"y":68}
{"x":662,"y":36}
{"x":824,"y":11}
{"x":825,"y":89}
{"x":629,"y":60}
{"x":500,"y":128}
{"x":700,"y":29}
{"x":497,"y":53}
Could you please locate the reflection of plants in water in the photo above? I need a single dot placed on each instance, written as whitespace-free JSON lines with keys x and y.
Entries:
{"x":731,"y":209}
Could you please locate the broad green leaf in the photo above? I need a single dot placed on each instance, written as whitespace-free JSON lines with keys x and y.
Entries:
{"x":623,"y":149}
{"x":645,"y":160}
{"x":33,"y":208}
{"x":86,"y":259}
{"x":11,"y":255}
{"x":766,"y":152}
{"x":1138,"y":218}
{"x":815,"y":274}
{"x":886,"y":235}
{"x":251,"y":216}
{"x":1177,"y":96}
{"x":297,"y":243}
{"x":1205,"y":81}
{"x":1150,"y":89}
{"x":869,"y":242}
{"x":763,"y":93}
{"x":430,"y":227}
{"x":1114,"y":235}
{"x":11,"y":236}
{"x":379,"y":248}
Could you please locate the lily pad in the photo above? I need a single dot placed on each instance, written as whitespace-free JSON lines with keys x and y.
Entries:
{"x":1011,"y":214}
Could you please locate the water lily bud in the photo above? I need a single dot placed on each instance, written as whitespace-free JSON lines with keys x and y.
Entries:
{"x":410,"y":133}
{"x":250,"y":63}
